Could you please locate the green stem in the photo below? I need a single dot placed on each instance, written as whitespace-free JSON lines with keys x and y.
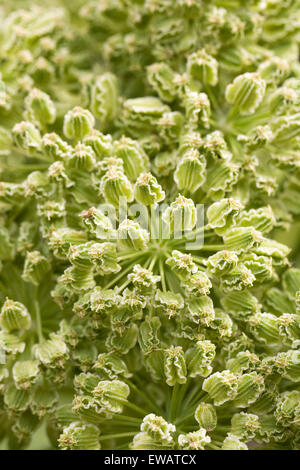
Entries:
{"x":38,"y":316}
{"x":116,"y":436}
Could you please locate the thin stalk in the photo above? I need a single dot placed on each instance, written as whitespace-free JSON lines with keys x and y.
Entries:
{"x":116,"y":436}
{"x":38,"y":316}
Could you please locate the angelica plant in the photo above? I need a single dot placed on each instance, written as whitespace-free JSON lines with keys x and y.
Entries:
{"x":149,"y":154}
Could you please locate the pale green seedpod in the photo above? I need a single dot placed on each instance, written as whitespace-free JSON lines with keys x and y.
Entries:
{"x":222,"y":325}
{"x":245,"y":361}
{"x":181,"y":215}
{"x":10,"y":343}
{"x":16,"y":400}
{"x":80,"y":436}
{"x":161,"y":78}
{"x":222,"y":214}
{"x":27,"y":136}
{"x":141,"y":114}
{"x":148,"y":334}
{"x":170,"y":127}
{"x":257,"y":139}
{"x":81,"y":158}
{"x":221,"y":386}
{"x":196,"y":440}
{"x":98,"y":224}
{"x":168,"y":302}
{"x":291,"y":282}
{"x":282,"y":100}
{"x":264,"y":404}
{"x":110,"y":396}
{"x":288,"y":364}
{"x":85,"y":383}
{"x":36,"y":184}
{"x":104,"y":258}
{"x":40,"y":108}
{"x":246,"y":92}
{"x":77,"y":279}
{"x":122,"y":340}
{"x":286,"y":132}
{"x":277,"y":301}
{"x":265,"y":327}
{"x":102,"y":144}
{"x":143,"y":280}
{"x":79,"y":256}
{"x":110,"y":367}
{"x":203,"y":67}
{"x":35,"y":267}
{"x":287,"y":411}
{"x":274,"y":70}
{"x":222,"y":262}
{"x":215,"y":146}
{"x":197,"y":109}
{"x":147,"y":191}
{"x":7,"y":249}
{"x":250,"y":387}
{"x":289,"y":328}
{"x":175,"y":366}
{"x":245,"y":425}
{"x":158,"y":428}
{"x":241,"y":239}
{"x":199,"y":358}
{"x":232,"y":442}
{"x":164,"y":164}
{"x":239,"y":278}
{"x":78,"y":123}
{"x":84,"y":355}
{"x":115,"y":185}
{"x":220,"y":178}
{"x":260,"y":266}
{"x":132,"y":236}
{"x":57,"y":174}
{"x":25,"y":373}
{"x":14,"y":316}
{"x":190,"y":171}
{"x":261,"y":219}
{"x":135,"y":160}
{"x":52,"y":352}
{"x":197,"y":283}
{"x":142,"y":441}
{"x":104,"y":98}
{"x":44,"y":400}
{"x":62,"y":238}
{"x":201,"y":310}
{"x":23,"y":428}
{"x":206,"y":416}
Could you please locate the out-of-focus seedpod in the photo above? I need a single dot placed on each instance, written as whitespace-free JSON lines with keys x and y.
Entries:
{"x":203,"y":67}
{"x":274,"y":70}
{"x":27,"y":136}
{"x":161,"y":78}
{"x":14,"y":316}
{"x":232,"y":442}
{"x":61,"y":240}
{"x":52,"y":352}
{"x":101,"y":144}
{"x":104,"y":98}
{"x":134,"y":158}
{"x":246,"y":92}
{"x":190,"y":171}
{"x":35,"y":267}
{"x":196,"y":440}
{"x":245,"y":425}
{"x":197,"y":106}
{"x":206,"y":416}
{"x":115,"y":185}
{"x":79,"y":436}
{"x":78,"y":123}
{"x":40,"y":108}
{"x":55,"y":147}
{"x":25,"y":373}
{"x":16,"y":400}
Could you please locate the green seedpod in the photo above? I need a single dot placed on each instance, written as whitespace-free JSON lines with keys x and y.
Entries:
{"x":215,"y":146}
{"x":201,"y":310}
{"x":77,"y":279}
{"x":78,"y":123}
{"x":222,"y":214}
{"x":199,"y":358}
{"x":62,"y":238}
{"x":80,"y":436}
{"x":206,"y":416}
{"x":141,"y":114}
{"x":175,"y":366}
{"x":282,"y":100}
{"x":232,"y":442}
{"x":40,"y":108}
{"x":110,"y":367}
{"x":135,"y":161}
{"x":52,"y":352}
{"x":261,"y":219}
{"x":15,"y":400}
{"x":286,"y":132}
{"x":162,"y":79}
{"x":164,"y":164}
{"x":111,"y":395}
{"x":158,"y":428}
{"x":55,"y":147}
{"x":241,"y":239}
{"x":149,"y":335}
{"x":245,"y":426}
{"x":246,"y":92}
{"x":102,"y":144}
{"x":44,"y":401}
{"x":7,"y":249}
{"x":27,"y":137}
{"x":287,"y":364}
{"x":64,"y":416}
{"x":181,"y":215}
{"x":222,"y":325}
{"x":115,"y":185}
{"x":132,"y":236}
{"x":221,"y":386}
{"x":245,"y":361}
{"x":197,"y":284}
{"x":170,"y":126}
{"x":190,"y":171}
{"x":123,"y":339}
{"x":25,"y":373}
{"x":143,"y":280}
{"x":291,"y":282}
{"x":264,"y":404}
{"x":196,"y":440}
{"x":238,"y":278}
{"x":85,"y":383}
{"x":14,"y":316}
{"x":24,"y":427}
{"x":35,"y":267}
{"x":81,"y":158}
{"x":260,"y":266}
{"x":104,"y":98}
{"x":278,"y":302}
{"x":147,"y":190}
{"x":250,"y":387}
{"x":289,"y":328}
{"x":10,"y":343}
{"x":182,"y":265}
{"x":222,"y":262}
{"x":57,"y":174}
{"x":155,"y":364}
{"x":98,"y":224}
{"x":168,"y":303}
{"x":203,"y":67}
{"x":274,"y":71}
{"x":84,"y":355}
{"x":142,"y":441}
{"x":220,"y":178}
{"x":265,"y":327}
{"x":258,"y":138}
{"x":79,"y":256}
{"x":104,"y":258}
{"x":287,"y":411}
{"x":36,"y":184}
{"x":197,"y":109}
